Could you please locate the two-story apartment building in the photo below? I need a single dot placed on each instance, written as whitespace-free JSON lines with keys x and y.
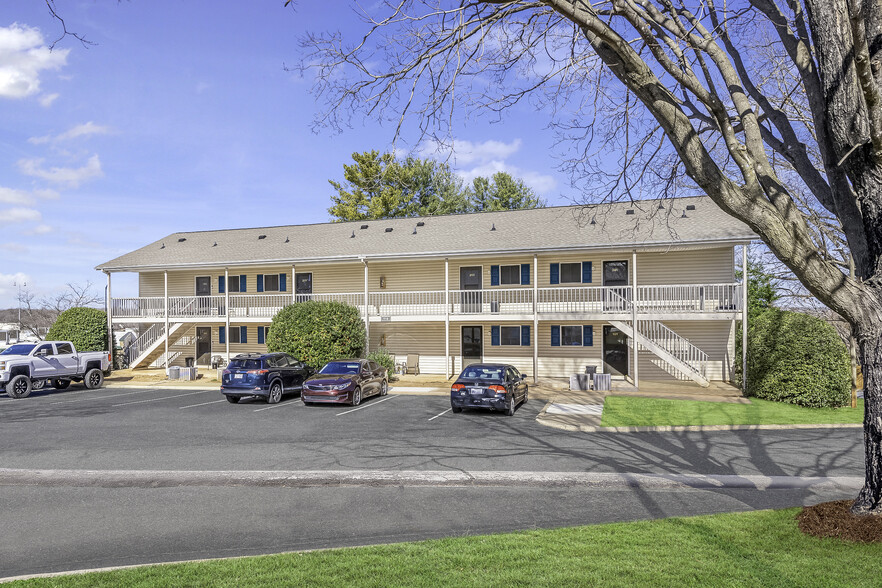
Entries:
{"x":549,"y":290}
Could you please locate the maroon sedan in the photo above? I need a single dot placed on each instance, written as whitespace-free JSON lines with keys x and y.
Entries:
{"x":346,"y":381}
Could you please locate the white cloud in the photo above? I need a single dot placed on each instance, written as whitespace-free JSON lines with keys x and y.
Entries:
{"x":82,"y":130}
{"x":9,"y":283}
{"x":541,"y":183}
{"x":14,"y":247}
{"x":41,"y":230}
{"x":46,"y":100}
{"x":12,"y":216}
{"x":467,"y":152}
{"x":23,"y":55}
{"x":24,"y":197}
{"x":66,"y":176}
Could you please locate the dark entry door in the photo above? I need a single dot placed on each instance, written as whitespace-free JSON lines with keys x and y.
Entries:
{"x":470,"y":279}
{"x":615,"y":350}
{"x":472,"y":345}
{"x":203,"y":345}
{"x":203,"y":291}
{"x":615,"y":277}
{"x":303,"y":286}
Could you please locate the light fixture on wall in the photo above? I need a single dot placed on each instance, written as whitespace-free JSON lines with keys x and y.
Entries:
{"x":382,"y":281}
{"x":383,"y":340}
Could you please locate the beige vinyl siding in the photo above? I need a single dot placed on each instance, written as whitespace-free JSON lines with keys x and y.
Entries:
{"x":405,"y":276}
{"x":699,"y":266}
{"x":401,"y":339}
{"x":716,"y":338}
{"x":485,"y":262}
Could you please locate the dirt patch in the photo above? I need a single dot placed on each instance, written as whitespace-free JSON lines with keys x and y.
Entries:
{"x":834,"y":519}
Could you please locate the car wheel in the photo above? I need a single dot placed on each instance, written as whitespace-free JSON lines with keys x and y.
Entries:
{"x":454,"y":408}
{"x":510,"y":406}
{"x":38,"y":384}
{"x":356,"y":397}
{"x":60,"y":384}
{"x":93,"y":379}
{"x":384,"y":388}
{"x":275,"y":393}
{"x":19,"y":386}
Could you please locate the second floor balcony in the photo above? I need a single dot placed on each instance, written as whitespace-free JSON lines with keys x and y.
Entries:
{"x":672,"y":302}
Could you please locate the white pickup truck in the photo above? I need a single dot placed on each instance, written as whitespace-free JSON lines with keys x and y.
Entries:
{"x":29,"y":366}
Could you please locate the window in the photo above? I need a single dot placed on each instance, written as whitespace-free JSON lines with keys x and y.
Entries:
{"x":511,"y":335}
{"x":63,"y":349}
{"x":571,"y":335}
{"x":570,"y":273}
{"x":44,"y":348}
{"x":271,"y":282}
{"x":238,"y":334}
{"x":510,"y":274}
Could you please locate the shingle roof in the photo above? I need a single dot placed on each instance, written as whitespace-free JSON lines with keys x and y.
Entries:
{"x":653,"y":223}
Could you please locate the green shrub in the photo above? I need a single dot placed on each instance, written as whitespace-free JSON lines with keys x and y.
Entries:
{"x":797,"y":358}
{"x":317,"y":332}
{"x":384,"y":358}
{"x":86,"y":328}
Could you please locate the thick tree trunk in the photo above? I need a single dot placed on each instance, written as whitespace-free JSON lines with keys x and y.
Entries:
{"x":869,"y":501}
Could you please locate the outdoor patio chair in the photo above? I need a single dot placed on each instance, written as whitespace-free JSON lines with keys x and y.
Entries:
{"x":413,"y":363}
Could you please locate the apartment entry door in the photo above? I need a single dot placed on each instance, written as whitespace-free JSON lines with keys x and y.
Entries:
{"x":615,"y":350}
{"x":303,"y":287}
{"x":203,"y":291}
{"x":470,"y":279}
{"x":203,"y":345}
{"x":472,"y":345}
{"x":615,"y":277}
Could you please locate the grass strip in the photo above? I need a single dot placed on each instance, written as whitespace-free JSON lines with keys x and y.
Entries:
{"x":634,"y":411}
{"x":762,"y":548}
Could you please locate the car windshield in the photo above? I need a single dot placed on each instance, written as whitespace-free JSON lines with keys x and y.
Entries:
{"x":340,"y":367}
{"x":245,"y":364}
{"x":482,"y":373}
{"x":21,"y":349}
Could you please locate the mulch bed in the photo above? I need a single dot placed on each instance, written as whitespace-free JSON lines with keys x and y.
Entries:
{"x":834,"y":519}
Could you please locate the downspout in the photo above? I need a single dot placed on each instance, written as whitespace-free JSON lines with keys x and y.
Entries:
{"x":744,"y":319}
{"x":447,"y":318}
{"x":636,"y":349}
{"x":535,"y":318}
{"x":227,"y":306}
{"x":367,"y":320}
{"x":109,"y":303}
{"x":166,"y":322}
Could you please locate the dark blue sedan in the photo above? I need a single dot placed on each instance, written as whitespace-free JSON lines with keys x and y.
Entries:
{"x":494,"y":386}
{"x":268,"y":375}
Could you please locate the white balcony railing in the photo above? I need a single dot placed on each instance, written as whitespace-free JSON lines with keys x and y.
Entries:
{"x":585,"y":300}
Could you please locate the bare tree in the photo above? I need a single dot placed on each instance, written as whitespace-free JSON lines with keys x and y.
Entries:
{"x":770,"y":107}
{"x":38,"y":315}
{"x":76,"y":295}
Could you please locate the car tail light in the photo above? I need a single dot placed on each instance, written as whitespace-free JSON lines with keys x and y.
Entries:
{"x":227,"y":372}
{"x":456,"y":387}
{"x":109,"y":358}
{"x":497,"y":389}
{"x":257,"y":371}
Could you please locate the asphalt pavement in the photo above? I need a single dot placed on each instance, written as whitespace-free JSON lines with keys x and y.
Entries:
{"x":68,"y":525}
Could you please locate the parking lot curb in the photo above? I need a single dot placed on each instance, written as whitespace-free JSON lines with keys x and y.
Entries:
{"x":554,"y":424}
{"x":411,"y":478}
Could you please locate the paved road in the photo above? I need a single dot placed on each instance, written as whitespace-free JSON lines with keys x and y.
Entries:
{"x":61,"y":528}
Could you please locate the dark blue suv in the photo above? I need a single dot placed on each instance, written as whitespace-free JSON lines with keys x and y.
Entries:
{"x":269,"y":375}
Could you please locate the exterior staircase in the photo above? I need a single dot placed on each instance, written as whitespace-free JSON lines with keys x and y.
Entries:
{"x":150,"y":346}
{"x":678,"y":352}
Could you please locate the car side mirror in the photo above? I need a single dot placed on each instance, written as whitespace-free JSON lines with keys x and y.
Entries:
{"x":42,"y":353}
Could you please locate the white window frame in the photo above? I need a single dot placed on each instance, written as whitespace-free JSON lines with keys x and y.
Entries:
{"x":578,"y":273}
{"x":579,"y":340}
{"x":517,"y":275}
{"x":233,"y":280}
{"x":267,"y":289}
{"x":238,"y":332}
{"x":501,"y":339}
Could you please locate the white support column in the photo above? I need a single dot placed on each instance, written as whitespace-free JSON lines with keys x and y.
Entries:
{"x":165,"y":294}
{"x":109,"y":303}
{"x":367,"y":320}
{"x":227,"y":306}
{"x":744,"y":319}
{"x":636,"y":348}
{"x":535,"y":318}
{"x":293,"y":285}
{"x":447,"y":369}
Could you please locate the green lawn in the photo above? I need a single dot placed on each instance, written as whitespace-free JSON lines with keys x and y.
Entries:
{"x":763,"y":548}
{"x":633,"y":411}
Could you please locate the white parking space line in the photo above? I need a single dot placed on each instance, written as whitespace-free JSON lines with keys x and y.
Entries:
{"x":279,"y":405}
{"x":164,"y":398}
{"x":442,"y":414}
{"x":390,"y":397}
{"x":203,"y":403}
{"x":99,"y":397}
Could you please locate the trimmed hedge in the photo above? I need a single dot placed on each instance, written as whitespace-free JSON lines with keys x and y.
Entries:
{"x":317,"y":332}
{"x":797,"y":358}
{"x":85,"y":327}
{"x":384,"y":358}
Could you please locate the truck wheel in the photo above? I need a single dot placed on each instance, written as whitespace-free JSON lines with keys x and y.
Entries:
{"x":19,"y":386}
{"x":93,"y":379}
{"x":38,"y":384}
{"x":60,"y":384}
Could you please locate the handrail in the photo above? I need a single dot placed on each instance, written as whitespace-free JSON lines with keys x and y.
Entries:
{"x":146,"y":339}
{"x":675,"y":344}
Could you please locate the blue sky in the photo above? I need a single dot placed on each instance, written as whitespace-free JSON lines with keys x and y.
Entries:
{"x":181,"y":117}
